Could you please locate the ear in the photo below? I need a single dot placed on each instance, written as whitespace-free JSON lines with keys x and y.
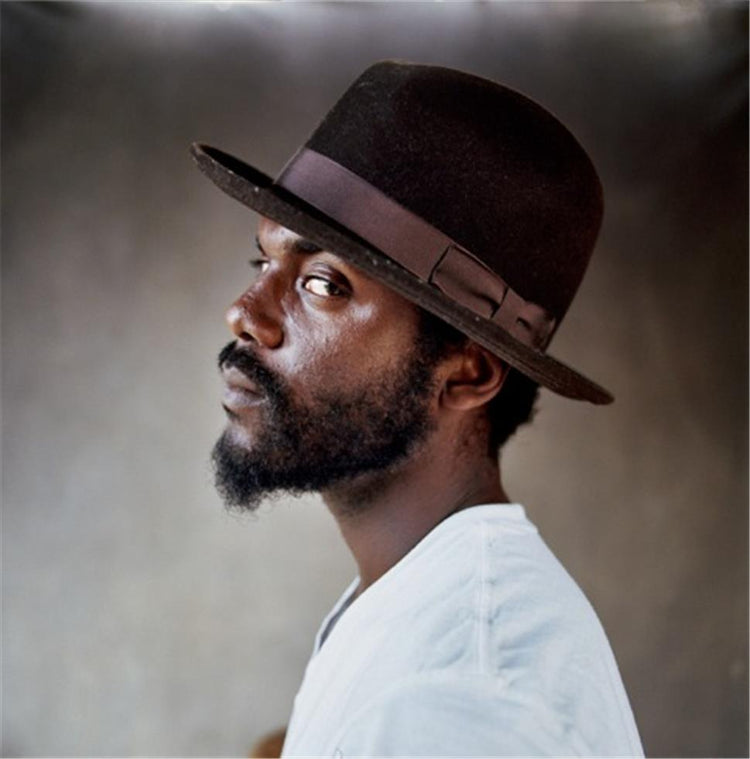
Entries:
{"x":474,"y":379}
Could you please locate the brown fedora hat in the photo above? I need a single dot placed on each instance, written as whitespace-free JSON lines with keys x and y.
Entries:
{"x":460,"y":194}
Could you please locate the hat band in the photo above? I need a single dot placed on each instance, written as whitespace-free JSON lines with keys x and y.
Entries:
{"x":414,"y":243}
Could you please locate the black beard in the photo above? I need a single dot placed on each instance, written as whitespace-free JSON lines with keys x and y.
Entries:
{"x":336,"y":438}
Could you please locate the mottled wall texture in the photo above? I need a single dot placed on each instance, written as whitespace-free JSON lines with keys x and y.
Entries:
{"x":139,"y":618}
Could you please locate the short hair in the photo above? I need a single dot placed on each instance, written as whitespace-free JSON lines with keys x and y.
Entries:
{"x":511,"y":408}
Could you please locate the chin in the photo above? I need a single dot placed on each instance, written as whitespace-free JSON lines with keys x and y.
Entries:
{"x":240,"y":435}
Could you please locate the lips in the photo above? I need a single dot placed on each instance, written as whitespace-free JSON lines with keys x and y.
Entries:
{"x":240,"y":393}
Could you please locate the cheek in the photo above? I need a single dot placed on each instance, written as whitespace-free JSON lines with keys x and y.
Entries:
{"x":345,"y":351}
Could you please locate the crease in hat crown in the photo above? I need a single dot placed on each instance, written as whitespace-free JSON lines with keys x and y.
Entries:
{"x":463,"y":195}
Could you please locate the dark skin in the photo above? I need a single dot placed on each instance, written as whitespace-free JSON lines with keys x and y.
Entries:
{"x":320,"y":323}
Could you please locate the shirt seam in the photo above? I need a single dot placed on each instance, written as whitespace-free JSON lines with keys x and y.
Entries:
{"x":483,"y":601}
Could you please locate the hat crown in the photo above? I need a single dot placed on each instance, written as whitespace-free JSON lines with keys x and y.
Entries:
{"x":480,"y":162}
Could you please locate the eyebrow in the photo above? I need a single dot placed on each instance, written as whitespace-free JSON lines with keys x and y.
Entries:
{"x":299,"y":245}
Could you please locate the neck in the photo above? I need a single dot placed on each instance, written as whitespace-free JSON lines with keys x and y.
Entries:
{"x":382,"y":516}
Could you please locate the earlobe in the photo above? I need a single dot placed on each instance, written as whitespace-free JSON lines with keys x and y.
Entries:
{"x":475,"y":379}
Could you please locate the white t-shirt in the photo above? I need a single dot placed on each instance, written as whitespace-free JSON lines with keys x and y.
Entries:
{"x":476,"y":643}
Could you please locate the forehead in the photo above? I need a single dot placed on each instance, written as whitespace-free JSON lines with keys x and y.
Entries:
{"x":273,"y":234}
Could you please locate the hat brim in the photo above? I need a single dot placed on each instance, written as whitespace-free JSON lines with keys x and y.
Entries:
{"x":257,"y":191}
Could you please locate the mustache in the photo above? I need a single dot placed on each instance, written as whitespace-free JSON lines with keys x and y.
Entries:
{"x":244,"y":360}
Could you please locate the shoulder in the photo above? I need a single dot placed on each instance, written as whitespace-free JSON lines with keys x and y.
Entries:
{"x":479,"y":643}
{"x":488,"y":574}
{"x":497,"y":651}
{"x":483,"y":594}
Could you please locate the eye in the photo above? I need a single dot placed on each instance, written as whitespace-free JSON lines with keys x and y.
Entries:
{"x":259,"y":264}
{"x":322,"y":287}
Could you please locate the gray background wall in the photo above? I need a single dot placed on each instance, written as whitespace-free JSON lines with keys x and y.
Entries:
{"x":138,"y":617}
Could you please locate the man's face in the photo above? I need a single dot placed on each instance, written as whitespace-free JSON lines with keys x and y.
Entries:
{"x":325,"y":381}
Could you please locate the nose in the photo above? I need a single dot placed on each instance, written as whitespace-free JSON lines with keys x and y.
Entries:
{"x":251,"y":321}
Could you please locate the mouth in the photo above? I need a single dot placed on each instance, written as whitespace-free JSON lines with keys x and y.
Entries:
{"x":240,"y":393}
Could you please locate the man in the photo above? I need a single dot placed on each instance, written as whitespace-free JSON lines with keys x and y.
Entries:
{"x":414,"y":259}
